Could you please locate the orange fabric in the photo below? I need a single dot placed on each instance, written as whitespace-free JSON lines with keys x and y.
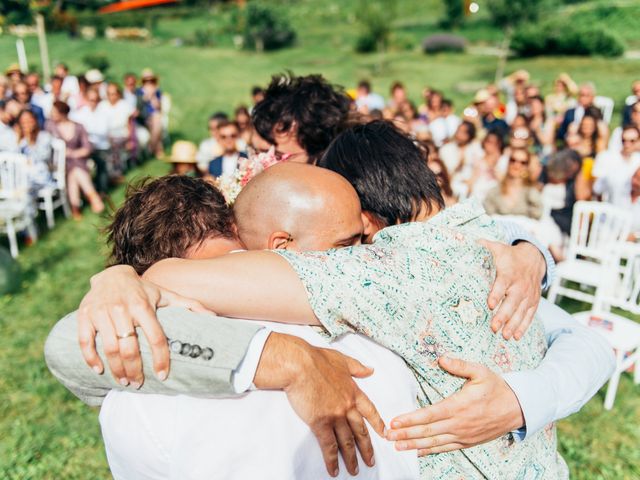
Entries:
{"x":133,"y":4}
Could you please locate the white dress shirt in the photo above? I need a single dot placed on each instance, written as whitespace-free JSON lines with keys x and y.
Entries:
{"x":255,"y":436}
{"x":117,"y":118}
{"x":95,"y":123}
{"x":613,"y":173}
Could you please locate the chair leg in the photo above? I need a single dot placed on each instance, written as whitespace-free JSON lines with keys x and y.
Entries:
{"x":553,"y":291}
{"x":613,"y":382}
{"x":48,"y":210}
{"x":13,"y":240}
{"x":65,"y":204}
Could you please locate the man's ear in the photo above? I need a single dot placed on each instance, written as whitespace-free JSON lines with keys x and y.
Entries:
{"x":371,"y":224}
{"x":279,"y":240}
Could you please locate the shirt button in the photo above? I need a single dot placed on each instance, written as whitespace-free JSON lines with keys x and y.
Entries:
{"x":186,"y":349}
{"x":195,"y":351}
{"x":175,"y":346}
{"x":207,"y":353}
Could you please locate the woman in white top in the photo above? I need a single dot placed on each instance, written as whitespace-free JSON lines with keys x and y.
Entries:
{"x":35,"y":144}
{"x":120,"y":129}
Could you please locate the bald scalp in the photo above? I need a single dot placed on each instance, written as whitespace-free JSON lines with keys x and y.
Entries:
{"x":301,"y":199}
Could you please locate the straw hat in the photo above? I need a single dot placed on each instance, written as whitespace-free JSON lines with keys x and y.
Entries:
{"x":482,"y":96}
{"x":94,"y":76}
{"x":183,"y":152}
{"x":147,"y":74}
{"x":519,"y":75}
{"x":13,"y":68}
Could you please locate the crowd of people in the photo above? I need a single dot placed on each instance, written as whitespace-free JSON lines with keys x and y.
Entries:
{"x":523,"y":154}
{"x":106,"y":128}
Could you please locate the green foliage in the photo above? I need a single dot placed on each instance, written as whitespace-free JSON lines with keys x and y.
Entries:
{"x":97,"y":60}
{"x":510,"y":13}
{"x":559,"y":37}
{"x":376,"y":21}
{"x":9,"y":272}
{"x":202,"y":37}
{"x":454,"y":13}
{"x":262,"y":27}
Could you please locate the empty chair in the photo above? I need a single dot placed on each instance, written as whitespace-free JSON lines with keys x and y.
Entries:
{"x":623,"y":334}
{"x":55,"y":195}
{"x":16,"y":212}
{"x":598,"y":232}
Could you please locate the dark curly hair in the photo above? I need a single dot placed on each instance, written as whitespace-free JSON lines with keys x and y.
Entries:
{"x":318,"y":109}
{"x":164,"y":218}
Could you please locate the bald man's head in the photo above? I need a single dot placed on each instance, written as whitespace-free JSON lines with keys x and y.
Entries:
{"x":298,"y":207}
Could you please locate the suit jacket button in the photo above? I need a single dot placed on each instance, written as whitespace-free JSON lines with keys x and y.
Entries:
{"x":186,"y":349}
{"x":175,"y":346}
{"x":195,"y":351}
{"x":207,"y":353}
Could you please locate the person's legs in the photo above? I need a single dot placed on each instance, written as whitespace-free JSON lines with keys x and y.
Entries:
{"x":102,"y":171}
{"x":73,"y":191}
{"x":154,"y":122}
{"x":78,"y":180}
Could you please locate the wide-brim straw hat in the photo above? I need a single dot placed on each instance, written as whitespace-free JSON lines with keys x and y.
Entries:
{"x":94,"y":76}
{"x":13,"y":68}
{"x":519,"y":75}
{"x":183,"y":152}
{"x":147,"y":74}
{"x":482,"y":96}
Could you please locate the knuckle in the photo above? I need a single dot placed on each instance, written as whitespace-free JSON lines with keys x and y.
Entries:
{"x":111,"y":350}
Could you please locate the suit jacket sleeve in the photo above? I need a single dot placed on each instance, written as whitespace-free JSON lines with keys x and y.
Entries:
{"x":205,"y":351}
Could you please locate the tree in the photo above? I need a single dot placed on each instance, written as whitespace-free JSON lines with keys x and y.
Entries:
{"x":508,"y":15}
{"x":454,"y":13}
{"x":376,"y":19}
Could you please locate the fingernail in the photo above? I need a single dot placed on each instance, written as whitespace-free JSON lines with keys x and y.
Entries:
{"x":124,"y":382}
{"x":162,"y":375}
{"x":395,"y":424}
{"x":507,"y":333}
{"x":357,"y":470}
{"x":136,"y":385}
{"x":373,"y":460}
{"x":98,"y":370}
{"x":335,"y":472}
{"x":400,"y":446}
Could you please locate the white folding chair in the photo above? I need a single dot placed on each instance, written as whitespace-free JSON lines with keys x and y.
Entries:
{"x":16,"y":212}
{"x":598,"y":232}
{"x":165,"y":105}
{"x":622,"y":333}
{"x":55,"y":195}
{"x":605,"y":104}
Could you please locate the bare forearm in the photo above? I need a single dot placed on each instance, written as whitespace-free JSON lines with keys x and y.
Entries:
{"x":253,"y":285}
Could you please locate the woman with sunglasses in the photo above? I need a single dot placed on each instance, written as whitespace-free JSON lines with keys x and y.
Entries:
{"x":517,"y":193}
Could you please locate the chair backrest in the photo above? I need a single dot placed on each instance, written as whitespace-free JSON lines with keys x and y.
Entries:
{"x":165,"y":105}
{"x":625,"y":294}
{"x":59,"y":161}
{"x":14,"y":179}
{"x":605,"y":104}
{"x":598,"y":230}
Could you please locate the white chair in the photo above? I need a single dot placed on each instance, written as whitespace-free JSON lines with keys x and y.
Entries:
{"x":598,"y":232}
{"x":165,"y":105}
{"x":55,"y":195}
{"x":623,"y":334}
{"x":605,"y":104}
{"x":16,"y":208}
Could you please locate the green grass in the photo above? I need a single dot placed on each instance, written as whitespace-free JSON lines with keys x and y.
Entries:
{"x":44,"y":432}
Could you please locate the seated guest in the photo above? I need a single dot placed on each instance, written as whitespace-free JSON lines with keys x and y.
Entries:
{"x":22,"y":96}
{"x":437,"y":166}
{"x":517,"y":193}
{"x":586,"y":97}
{"x":226,"y":164}
{"x":39,"y":97}
{"x":77,"y":154}
{"x":183,"y":159}
{"x":434,"y":105}
{"x":210,"y":147}
{"x":562,"y":98}
{"x":635,"y":207}
{"x":488,"y":108}
{"x":541,"y":127}
{"x":96,"y":81}
{"x":4,"y":88}
{"x":14,"y":75}
{"x":242,"y":117}
{"x":130,"y":82}
{"x":118,"y":115}
{"x":94,"y":120}
{"x":79,"y":99}
{"x":70,"y":83}
{"x":633,"y":110}
{"x":398,"y":96}
{"x":490,"y":169}
{"x":366,"y":100}
{"x":444,"y":127}
{"x":614,"y":170}
{"x":8,"y":137}
{"x":35,"y":144}
{"x":461,"y":154}
{"x":593,"y":130}
{"x":150,"y":110}
{"x":257,"y":95}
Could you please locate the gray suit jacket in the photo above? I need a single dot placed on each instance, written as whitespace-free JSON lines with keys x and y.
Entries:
{"x":203,"y":356}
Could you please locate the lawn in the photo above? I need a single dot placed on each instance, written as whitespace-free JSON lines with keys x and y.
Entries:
{"x":44,"y":432}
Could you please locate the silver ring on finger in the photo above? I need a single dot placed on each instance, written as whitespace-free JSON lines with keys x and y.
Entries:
{"x":126,"y":335}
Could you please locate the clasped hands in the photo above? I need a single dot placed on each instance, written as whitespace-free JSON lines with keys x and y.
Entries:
{"x":484,"y":409}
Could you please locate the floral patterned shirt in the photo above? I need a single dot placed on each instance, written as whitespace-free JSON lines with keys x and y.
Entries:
{"x":421,"y":290}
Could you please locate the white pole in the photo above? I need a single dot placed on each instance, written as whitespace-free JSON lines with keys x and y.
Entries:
{"x":44,"y":50}
{"x":22,"y":56}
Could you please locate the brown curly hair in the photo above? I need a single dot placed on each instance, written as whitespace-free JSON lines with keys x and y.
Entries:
{"x":164,"y":218}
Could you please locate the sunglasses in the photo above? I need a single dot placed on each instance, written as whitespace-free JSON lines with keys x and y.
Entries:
{"x":519,"y":162}
{"x":228,"y":137}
